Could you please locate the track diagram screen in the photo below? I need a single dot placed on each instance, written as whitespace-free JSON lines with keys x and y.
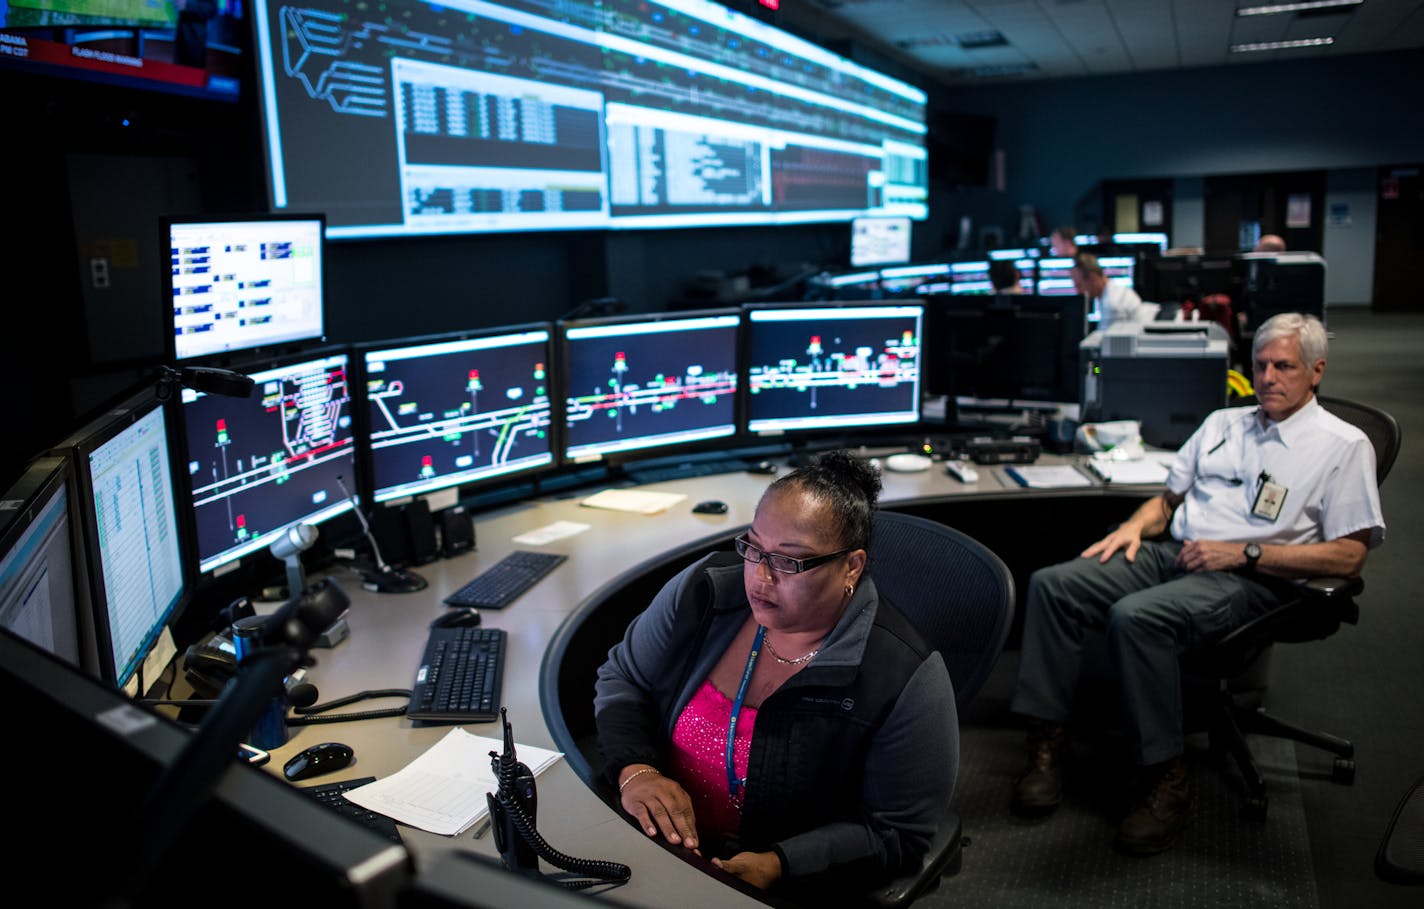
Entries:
{"x":833,"y":367}
{"x":260,"y":464}
{"x":636,"y":385}
{"x":548,"y":114}
{"x":452,"y":412}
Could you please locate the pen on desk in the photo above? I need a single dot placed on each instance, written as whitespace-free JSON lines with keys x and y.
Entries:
{"x":482,"y":828}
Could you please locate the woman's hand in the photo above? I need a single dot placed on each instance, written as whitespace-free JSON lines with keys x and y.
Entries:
{"x":659,"y":804}
{"x":760,"y":869}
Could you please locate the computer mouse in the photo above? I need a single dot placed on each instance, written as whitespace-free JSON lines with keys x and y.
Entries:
{"x":318,"y":759}
{"x":458,"y":617}
{"x":711,"y":506}
{"x":762,"y":467}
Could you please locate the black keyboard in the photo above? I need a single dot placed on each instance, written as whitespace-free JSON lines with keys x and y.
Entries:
{"x":502,"y":583}
{"x":333,"y":796}
{"x":662,"y":473}
{"x":459,"y":676}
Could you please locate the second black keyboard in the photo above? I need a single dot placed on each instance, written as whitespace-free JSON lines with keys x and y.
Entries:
{"x":333,"y":796}
{"x":501,"y":583}
{"x":459,"y":677}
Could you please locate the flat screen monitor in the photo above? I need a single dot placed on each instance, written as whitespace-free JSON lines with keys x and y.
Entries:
{"x":1118,"y":269}
{"x":879,"y":241}
{"x":832,"y":367}
{"x":1159,"y":240}
{"x":640,"y":383}
{"x":1029,"y":252}
{"x":238,"y":284}
{"x":194,"y":48}
{"x":133,"y":542}
{"x":915,"y":280}
{"x":970,"y":278}
{"x":1009,"y":349}
{"x":455,"y":410}
{"x":103,"y":755}
{"x":39,"y":595}
{"x":258,"y":465}
{"x":1055,"y":277}
{"x":856,"y":285}
{"x":520,"y":115}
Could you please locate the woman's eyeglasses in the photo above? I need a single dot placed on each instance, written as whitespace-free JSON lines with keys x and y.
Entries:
{"x":782,"y":563}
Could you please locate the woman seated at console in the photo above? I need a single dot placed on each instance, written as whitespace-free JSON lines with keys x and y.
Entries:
{"x":777,"y":714}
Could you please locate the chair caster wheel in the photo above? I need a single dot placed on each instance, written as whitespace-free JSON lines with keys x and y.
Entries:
{"x":1255,"y":807}
{"x":1344,"y":771}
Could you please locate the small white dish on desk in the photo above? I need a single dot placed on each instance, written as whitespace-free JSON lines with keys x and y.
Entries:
{"x":906,"y":462}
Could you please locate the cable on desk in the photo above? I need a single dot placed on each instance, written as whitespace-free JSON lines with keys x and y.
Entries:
{"x":306,"y":716}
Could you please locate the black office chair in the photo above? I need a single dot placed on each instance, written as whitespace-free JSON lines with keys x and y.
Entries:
{"x":1318,"y":610}
{"x":960,"y":597}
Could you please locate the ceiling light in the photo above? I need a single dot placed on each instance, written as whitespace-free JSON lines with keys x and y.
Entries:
{"x":1273,"y":8}
{"x":1280,"y":45}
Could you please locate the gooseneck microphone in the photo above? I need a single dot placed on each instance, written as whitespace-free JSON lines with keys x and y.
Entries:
{"x":207,"y":379}
{"x":384,"y":579}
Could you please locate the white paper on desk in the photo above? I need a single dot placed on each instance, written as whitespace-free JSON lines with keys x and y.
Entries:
{"x":1143,"y":470}
{"x":550,"y":532}
{"x":1048,"y":476}
{"x":443,"y":790}
{"x":641,"y":501}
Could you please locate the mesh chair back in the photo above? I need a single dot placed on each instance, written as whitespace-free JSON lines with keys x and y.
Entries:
{"x":1382,"y":429}
{"x":956,"y":592}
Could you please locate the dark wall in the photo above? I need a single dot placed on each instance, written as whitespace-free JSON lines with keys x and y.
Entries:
{"x":1062,"y":137}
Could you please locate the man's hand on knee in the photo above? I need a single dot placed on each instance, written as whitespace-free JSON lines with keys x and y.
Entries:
{"x":1125,"y":538}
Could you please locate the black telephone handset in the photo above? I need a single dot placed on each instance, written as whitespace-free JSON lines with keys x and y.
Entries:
{"x":513,"y":808}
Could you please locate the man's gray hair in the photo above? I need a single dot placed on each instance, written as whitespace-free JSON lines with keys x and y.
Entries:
{"x":1308,"y":329}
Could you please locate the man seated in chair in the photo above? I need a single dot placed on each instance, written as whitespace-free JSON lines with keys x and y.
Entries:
{"x":1257,"y":498}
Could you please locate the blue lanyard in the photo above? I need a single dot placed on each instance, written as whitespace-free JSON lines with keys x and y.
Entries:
{"x":734,"y":784}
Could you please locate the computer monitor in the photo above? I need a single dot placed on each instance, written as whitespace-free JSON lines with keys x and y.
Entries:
{"x":856,"y":285}
{"x":136,"y":554}
{"x":242,"y":283}
{"x":1158,"y":240}
{"x":256,"y":466}
{"x":1055,"y":277}
{"x":832,"y":367}
{"x":40,"y":598}
{"x":103,"y":754}
{"x":1017,"y":252}
{"x":1118,"y":269}
{"x":643,"y":382}
{"x":879,"y":241}
{"x":1012,"y":349}
{"x":970,"y":278}
{"x":915,"y":280}
{"x":455,"y":410}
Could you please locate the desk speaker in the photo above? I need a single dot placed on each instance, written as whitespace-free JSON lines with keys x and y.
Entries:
{"x":457,"y":531}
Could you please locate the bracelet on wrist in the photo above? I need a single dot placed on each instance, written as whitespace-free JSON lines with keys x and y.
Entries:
{"x":633,"y":776}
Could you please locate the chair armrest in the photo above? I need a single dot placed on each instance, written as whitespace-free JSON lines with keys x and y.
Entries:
{"x":942,"y":857}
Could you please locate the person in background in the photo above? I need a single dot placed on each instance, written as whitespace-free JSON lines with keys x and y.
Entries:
{"x":1257,"y":498}
{"x":1061,"y":242}
{"x":1270,"y":243}
{"x":1112,"y":302}
{"x":774,"y":712}
{"x":1004,"y":275}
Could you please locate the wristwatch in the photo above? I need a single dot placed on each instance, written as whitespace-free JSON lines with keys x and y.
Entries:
{"x":1253,"y":555}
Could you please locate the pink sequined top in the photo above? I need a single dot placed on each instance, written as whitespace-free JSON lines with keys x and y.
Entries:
{"x":699,"y":758}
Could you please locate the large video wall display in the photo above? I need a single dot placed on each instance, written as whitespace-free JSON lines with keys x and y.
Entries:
{"x":405,"y":117}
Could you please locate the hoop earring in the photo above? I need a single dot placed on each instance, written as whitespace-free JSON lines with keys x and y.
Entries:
{"x":850,"y":590}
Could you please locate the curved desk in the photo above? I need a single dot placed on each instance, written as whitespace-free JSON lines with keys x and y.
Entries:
{"x":559,"y":633}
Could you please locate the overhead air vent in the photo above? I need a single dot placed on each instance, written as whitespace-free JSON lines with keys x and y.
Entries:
{"x":981,"y":39}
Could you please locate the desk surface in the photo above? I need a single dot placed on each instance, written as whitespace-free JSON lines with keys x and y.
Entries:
{"x":388,"y":633}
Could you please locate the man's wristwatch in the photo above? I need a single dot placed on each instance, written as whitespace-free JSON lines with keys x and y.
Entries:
{"x":1253,"y":555}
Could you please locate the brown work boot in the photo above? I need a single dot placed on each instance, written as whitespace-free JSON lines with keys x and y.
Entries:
{"x":1039,"y":789}
{"x":1154,"y":823}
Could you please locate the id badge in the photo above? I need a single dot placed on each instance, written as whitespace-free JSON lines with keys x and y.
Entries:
{"x":1269,"y":500}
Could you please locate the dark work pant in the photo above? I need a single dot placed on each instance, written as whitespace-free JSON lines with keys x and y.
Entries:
{"x":1152,"y":612}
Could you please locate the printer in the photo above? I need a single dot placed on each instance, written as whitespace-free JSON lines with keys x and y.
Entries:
{"x":1166,"y":375}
